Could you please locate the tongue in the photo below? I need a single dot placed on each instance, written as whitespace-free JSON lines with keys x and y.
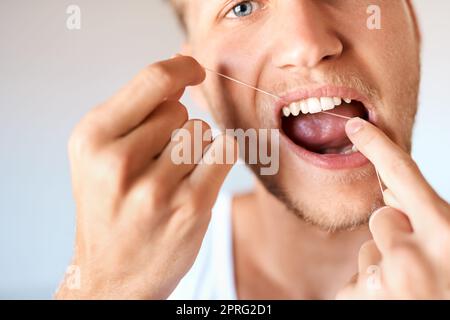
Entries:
{"x":321,"y":132}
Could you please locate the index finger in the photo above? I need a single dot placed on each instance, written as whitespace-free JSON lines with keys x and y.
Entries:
{"x":397,"y":169}
{"x":152,"y":86}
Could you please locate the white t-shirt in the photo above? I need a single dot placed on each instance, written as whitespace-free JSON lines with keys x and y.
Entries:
{"x":212,"y":275}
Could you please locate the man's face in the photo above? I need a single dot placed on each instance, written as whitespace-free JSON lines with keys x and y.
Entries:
{"x":302,"y":49}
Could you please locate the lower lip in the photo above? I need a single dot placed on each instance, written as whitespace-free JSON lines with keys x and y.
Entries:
{"x":327,"y":161}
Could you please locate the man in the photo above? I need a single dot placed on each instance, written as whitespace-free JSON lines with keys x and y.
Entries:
{"x":302,"y":233}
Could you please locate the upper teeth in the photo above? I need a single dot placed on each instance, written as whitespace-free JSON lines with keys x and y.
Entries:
{"x":313,"y":105}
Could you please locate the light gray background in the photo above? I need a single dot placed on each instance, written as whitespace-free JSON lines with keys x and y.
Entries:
{"x":50,"y":77}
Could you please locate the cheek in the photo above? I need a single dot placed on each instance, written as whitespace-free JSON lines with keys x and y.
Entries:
{"x":389,"y":52}
{"x":232,"y":104}
{"x":391,"y":59}
{"x":232,"y":55}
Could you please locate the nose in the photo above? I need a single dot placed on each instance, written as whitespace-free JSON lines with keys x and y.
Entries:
{"x":306,"y":37}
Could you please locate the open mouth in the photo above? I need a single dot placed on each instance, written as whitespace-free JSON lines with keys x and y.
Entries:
{"x":320,"y":136}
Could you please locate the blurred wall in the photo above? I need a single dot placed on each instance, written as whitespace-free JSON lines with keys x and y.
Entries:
{"x":50,"y":77}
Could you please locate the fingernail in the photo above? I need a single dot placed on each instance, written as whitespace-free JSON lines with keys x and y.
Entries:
{"x":354,"y":125}
{"x":176,"y":56}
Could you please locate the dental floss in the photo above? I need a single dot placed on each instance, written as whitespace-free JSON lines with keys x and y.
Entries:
{"x":243,"y":83}
{"x":379,"y":182}
{"x":337,"y":115}
{"x":278,"y":97}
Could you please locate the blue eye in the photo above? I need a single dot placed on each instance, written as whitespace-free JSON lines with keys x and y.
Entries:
{"x":243,"y":9}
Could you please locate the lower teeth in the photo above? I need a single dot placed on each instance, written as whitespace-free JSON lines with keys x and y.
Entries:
{"x":349,"y":150}
{"x":345,"y":151}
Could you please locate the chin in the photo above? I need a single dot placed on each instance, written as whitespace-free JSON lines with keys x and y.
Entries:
{"x":337,"y":212}
{"x":330,"y":200}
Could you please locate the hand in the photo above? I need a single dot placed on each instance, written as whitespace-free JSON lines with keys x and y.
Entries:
{"x":141,"y":218}
{"x":409,"y":256}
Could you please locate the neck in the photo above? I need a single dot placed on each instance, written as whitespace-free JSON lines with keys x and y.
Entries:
{"x":291,"y":257}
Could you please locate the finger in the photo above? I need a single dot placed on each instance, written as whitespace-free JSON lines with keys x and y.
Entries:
{"x":397,"y":169}
{"x":389,"y":227}
{"x":184,"y":151}
{"x":152,"y":86}
{"x":409,"y":274}
{"x":369,"y":256}
{"x":209,"y":175}
{"x":148,"y":140}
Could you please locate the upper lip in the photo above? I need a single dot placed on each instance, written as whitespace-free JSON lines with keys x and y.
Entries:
{"x":325,"y":91}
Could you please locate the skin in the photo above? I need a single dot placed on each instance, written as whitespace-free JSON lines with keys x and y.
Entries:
{"x":411,"y":235}
{"x":309,"y":44}
{"x":141,"y":219}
